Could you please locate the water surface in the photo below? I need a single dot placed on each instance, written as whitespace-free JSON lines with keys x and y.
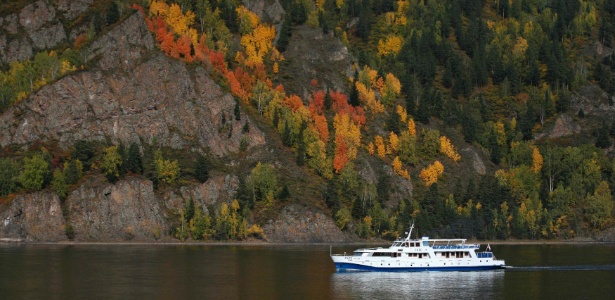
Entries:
{"x":290,"y":272}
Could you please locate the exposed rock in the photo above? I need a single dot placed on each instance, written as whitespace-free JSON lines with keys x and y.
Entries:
{"x":401,"y":187}
{"x":17,"y":49}
{"x":71,"y":9}
{"x":10,"y":23}
{"x":477,"y":162}
{"x":126,"y":210}
{"x":270,"y":11}
{"x":594,"y":101}
{"x":33,"y":217}
{"x":564,"y":125}
{"x":298,"y":224}
{"x":49,"y":36}
{"x":124,"y":46}
{"x":34,"y":16}
{"x":313,"y":55}
{"x":212,"y":192}
{"x":135,"y":95}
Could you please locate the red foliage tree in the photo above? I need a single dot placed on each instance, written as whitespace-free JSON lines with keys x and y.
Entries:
{"x":341,"y":156}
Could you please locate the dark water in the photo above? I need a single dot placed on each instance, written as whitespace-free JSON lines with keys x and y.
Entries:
{"x":290,"y":272}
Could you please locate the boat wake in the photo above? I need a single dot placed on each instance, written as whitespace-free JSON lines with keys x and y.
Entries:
{"x":561,"y":268}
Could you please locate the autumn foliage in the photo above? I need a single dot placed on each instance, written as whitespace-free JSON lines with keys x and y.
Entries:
{"x":431,"y":173}
{"x":447,"y":148}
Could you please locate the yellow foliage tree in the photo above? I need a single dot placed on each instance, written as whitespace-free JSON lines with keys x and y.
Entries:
{"x":390,"y":89}
{"x":393,"y":142}
{"x":367,"y":96}
{"x":390,"y":46}
{"x":412,"y":127}
{"x":350,"y":132}
{"x":537,"y":160}
{"x":398,"y":169}
{"x":380,"y":148}
{"x":403,"y":114}
{"x":257,"y":44}
{"x":431,"y":173}
{"x":370,"y":148}
{"x":181,"y":23}
{"x":247,"y":20}
{"x":447,"y":148}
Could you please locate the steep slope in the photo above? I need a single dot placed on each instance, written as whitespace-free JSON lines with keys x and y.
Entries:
{"x":132,"y":93}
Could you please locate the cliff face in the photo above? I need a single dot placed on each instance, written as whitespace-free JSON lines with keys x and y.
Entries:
{"x":133,"y":94}
{"x":33,"y":217}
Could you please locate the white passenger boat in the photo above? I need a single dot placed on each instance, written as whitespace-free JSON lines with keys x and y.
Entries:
{"x":425,"y":254}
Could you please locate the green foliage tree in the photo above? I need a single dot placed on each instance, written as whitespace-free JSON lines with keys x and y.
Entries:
{"x":167,"y":171}
{"x":111,"y":164}
{"x":36,"y":172}
{"x":9,"y":174}
{"x":263,"y":182}
{"x":599,"y":208}
{"x":59,"y":183}
{"x":73,"y":170}
{"x":84,"y":152}
{"x":430,"y":145}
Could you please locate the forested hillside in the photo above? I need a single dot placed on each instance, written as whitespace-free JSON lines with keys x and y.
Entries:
{"x":476,"y":119}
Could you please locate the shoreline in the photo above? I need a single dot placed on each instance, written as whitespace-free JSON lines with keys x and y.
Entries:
{"x":13,"y":241}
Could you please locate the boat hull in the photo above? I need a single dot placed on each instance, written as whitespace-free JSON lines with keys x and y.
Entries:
{"x":352,"y":267}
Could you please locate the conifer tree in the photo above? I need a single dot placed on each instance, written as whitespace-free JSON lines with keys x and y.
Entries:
{"x":201,"y":169}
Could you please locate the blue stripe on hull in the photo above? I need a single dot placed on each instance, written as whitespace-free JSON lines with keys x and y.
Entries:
{"x":343,"y":267}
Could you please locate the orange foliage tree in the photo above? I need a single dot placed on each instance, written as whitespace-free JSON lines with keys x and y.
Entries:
{"x":341,"y":155}
{"x":431,"y":173}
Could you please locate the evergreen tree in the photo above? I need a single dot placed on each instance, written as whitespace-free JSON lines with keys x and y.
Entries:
{"x":134,"y":162}
{"x":353,"y":98}
{"x":286,"y":135}
{"x":284,"y":193}
{"x":603,"y":140}
{"x":329,"y":101}
{"x":72,"y":172}
{"x":285,"y":34}
{"x":201,"y":169}
{"x":113,"y":13}
{"x":527,"y":123}
{"x":563,"y":102}
{"x":84,"y":152}
{"x":9,"y":173}
{"x":236,"y":111}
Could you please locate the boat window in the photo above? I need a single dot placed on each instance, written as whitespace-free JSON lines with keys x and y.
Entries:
{"x":425,"y":243}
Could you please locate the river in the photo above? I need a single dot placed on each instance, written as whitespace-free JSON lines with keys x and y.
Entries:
{"x":539,"y":271}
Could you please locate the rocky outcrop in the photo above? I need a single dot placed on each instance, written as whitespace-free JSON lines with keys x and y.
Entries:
{"x":33,"y":217}
{"x":594,"y":101}
{"x":298,"y":224}
{"x":564,"y":125}
{"x":71,"y":9}
{"x":212,"y":192}
{"x":127,"y":210}
{"x":134,"y":94}
{"x":311,"y":54}
{"x":270,"y":11}
{"x":477,"y":163}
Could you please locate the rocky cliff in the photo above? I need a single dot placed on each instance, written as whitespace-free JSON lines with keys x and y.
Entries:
{"x":133,"y":93}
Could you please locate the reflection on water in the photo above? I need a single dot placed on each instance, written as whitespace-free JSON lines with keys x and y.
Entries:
{"x":417,"y":285}
{"x":290,"y":272}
